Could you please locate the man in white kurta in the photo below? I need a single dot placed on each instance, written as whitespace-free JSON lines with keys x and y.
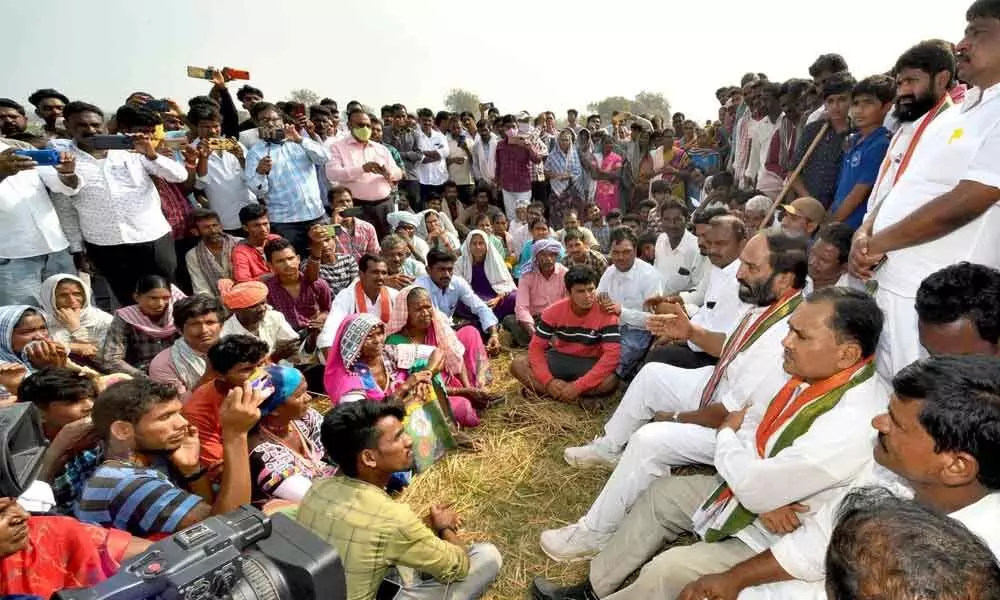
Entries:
{"x":942,"y":209}
{"x":366,"y":294}
{"x":624,"y":289}
{"x":801,"y":554}
{"x":814,"y":439}
{"x":686,"y":405}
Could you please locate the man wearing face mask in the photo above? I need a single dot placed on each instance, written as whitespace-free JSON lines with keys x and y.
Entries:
{"x":365,"y":168}
{"x":515,"y":156}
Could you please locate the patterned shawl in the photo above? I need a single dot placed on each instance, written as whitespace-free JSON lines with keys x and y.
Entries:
{"x":564,"y":162}
{"x":339,"y":377}
{"x":210,"y":266}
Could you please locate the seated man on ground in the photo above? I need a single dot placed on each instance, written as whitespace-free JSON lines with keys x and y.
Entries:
{"x":958,"y":310}
{"x":234,"y":361}
{"x":367,"y":294}
{"x":828,"y":257}
{"x":252,"y":316}
{"x":404,"y":224}
{"x":939,"y":442}
{"x":355,"y":236}
{"x":65,"y":400}
{"x":305,"y":304}
{"x":578,"y":253}
{"x":572,"y":221}
{"x":448,"y":291}
{"x":482,"y":265}
{"x":182,"y":365}
{"x":799,"y":446}
{"x":693,"y":297}
{"x":541,"y":285}
{"x":402,"y":269}
{"x":247,"y":257}
{"x":677,"y":255}
{"x":211,"y":259}
{"x":802,"y":216}
{"x":893,"y":547}
{"x":42,"y":554}
{"x":576,"y":346}
{"x":325,"y":261}
{"x":539,"y":230}
{"x":371,"y":531}
{"x":723,"y":308}
{"x":151,"y":481}
{"x":686,"y":406}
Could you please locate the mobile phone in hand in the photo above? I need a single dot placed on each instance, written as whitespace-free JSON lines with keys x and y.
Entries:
{"x":44,"y":158}
{"x":111,"y":142}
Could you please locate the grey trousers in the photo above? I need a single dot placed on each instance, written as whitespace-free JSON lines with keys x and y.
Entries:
{"x":659,"y":517}
{"x":484,"y":566}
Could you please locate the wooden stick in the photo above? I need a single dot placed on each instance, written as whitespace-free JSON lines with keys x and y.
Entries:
{"x":791,"y":179}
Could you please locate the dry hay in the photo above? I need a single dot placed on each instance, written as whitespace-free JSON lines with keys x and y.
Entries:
{"x":517,"y":485}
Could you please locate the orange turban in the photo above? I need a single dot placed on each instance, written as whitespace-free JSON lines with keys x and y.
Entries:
{"x":241,"y":295}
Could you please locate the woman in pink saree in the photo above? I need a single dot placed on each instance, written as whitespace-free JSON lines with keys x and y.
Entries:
{"x":607,"y":176}
{"x":361,"y":367}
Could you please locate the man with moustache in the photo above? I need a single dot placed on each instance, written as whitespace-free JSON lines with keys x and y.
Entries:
{"x":686,"y":406}
{"x":942,"y":208}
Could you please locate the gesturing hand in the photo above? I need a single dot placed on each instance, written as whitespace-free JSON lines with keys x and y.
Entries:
{"x":240,"y":410}
{"x":785,"y":519}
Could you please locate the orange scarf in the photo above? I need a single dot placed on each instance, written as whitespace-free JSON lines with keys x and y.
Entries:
{"x":361,"y":301}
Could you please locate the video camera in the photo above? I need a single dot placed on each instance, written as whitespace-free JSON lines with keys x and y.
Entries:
{"x":22,"y":445}
{"x":243,"y":555}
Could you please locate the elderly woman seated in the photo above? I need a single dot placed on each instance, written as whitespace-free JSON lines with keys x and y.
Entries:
{"x":483,"y":267}
{"x":361,"y":367}
{"x":72,"y":318}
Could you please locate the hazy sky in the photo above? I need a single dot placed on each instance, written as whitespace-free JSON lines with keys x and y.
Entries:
{"x":539,"y":54}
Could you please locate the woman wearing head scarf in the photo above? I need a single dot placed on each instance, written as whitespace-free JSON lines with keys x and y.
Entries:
{"x":432,"y":230}
{"x":71,"y":317}
{"x":139,"y":332}
{"x":562,"y":168}
{"x":482,"y":265}
{"x":608,"y":175}
{"x":25,"y":346}
{"x":286,"y":450}
{"x":670,"y":163}
{"x":361,"y":367}
{"x":404,"y":223}
{"x":588,"y":165}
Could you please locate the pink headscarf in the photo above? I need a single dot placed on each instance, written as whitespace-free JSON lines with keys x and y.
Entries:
{"x":138,"y":319}
{"x":339,"y":378}
{"x":443,"y":335}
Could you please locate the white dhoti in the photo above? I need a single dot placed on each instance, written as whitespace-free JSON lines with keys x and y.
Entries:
{"x":652,"y":448}
{"x":786,"y":590}
{"x":899,"y":344}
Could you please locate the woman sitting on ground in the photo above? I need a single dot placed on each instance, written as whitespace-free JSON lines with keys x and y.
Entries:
{"x":72,"y":318}
{"x":483,"y":267}
{"x":25,"y":346}
{"x":139,"y":332}
{"x":362,"y":367}
{"x":466,"y":371}
{"x":286,"y":452}
{"x":432,"y":230}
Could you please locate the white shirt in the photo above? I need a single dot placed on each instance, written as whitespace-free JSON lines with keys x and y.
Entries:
{"x":723,"y":308}
{"x":273,"y":329}
{"x":814,"y":470}
{"x":761,"y":133}
{"x":802,"y":553}
{"x":484,"y":164}
{"x":118,"y":202}
{"x":29,"y":224}
{"x":433,"y":173}
{"x":816,"y":115}
{"x":460,"y":174}
{"x":963,"y":143}
{"x":223,"y":186}
{"x":344,"y":304}
{"x":679,"y":266}
{"x":631,"y":289}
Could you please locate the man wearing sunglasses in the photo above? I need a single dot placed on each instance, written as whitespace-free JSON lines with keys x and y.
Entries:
{"x":366,"y":168}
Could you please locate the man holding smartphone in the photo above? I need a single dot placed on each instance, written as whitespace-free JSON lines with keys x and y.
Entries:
{"x":365,"y":168}
{"x":117,"y":216}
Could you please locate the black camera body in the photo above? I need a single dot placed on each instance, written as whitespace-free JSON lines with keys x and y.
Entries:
{"x":22,"y":445}
{"x":244,"y":555}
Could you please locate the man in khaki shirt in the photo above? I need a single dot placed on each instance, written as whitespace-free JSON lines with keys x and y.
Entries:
{"x":371,"y":531}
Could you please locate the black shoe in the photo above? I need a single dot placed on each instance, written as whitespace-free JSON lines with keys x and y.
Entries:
{"x":543,"y":589}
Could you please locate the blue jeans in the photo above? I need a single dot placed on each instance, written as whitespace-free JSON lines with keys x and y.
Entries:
{"x":635,"y":343}
{"x":484,"y":566}
{"x":21,"y":278}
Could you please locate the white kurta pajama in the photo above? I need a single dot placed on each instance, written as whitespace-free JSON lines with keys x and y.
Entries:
{"x":962,"y":144}
{"x":813,"y":469}
{"x":652,"y":448}
{"x":345,"y":303}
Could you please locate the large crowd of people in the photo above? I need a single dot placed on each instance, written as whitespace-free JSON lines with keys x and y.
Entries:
{"x":802,"y":297}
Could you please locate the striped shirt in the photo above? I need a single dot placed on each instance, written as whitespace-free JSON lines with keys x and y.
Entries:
{"x":593,"y":335}
{"x":140,"y":500}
